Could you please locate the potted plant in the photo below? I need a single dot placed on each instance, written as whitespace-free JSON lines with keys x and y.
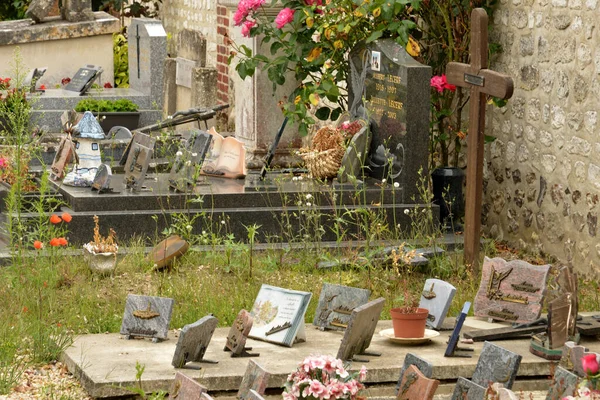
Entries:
{"x":101,"y":253}
{"x":408,"y":320}
{"x":111,"y":113}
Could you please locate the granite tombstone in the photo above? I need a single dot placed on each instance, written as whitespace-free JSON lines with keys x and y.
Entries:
{"x":397,"y":90}
{"x":511,"y":291}
{"x":358,"y":334}
{"x":437,"y":297}
{"x":185,"y":388}
{"x":423,"y":365}
{"x":147,"y":316}
{"x":256,"y":378}
{"x":563,"y":384}
{"x":336,"y":303}
{"x":571,"y":358}
{"x":468,"y":390}
{"x":147,"y":54}
{"x":193,"y":342}
{"x":496,"y":364}
{"x":415,"y":385}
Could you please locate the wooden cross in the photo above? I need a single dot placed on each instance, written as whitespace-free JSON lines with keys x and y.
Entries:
{"x":481,"y":82}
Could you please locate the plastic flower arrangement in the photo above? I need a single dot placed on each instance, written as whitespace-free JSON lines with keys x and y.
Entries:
{"x":588,"y":387}
{"x":323,"y":377}
{"x":311,"y":39}
{"x":446,"y":135}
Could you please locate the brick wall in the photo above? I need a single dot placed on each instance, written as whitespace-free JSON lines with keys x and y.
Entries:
{"x":223,"y":54}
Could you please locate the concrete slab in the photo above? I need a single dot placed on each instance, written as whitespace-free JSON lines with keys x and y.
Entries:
{"x":105,"y":363}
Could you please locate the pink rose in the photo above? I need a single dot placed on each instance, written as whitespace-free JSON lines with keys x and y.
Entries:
{"x":284,"y":17}
{"x":437,"y":82}
{"x":248,"y":24}
{"x":240,"y":15}
{"x":255,"y":4}
{"x":590,"y":364}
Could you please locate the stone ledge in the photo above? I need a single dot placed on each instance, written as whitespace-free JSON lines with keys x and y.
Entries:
{"x":53,"y":28}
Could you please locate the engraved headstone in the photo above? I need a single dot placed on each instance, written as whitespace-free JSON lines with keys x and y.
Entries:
{"x":396,"y":89}
{"x":193,"y":341}
{"x":183,"y":171}
{"x":563,"y":384}
{"x":452,"y":348}
{"x":238,"y":334}
{"x":139,"y":155}
{"x":255,"y":378}
{"x":423,"y":365}
{"x":185,"y":388}
{"x":167,"y":251}
{"x":468,"y":390}
{"x":355,"y":156}
{"x":84,"y":78}
{"x":336,"y":303}
{"x":511,"y":291}
{"x":415,"y":385}
{"x":496,"y":364}
{"x":437,"y":297}
{"x":147,"y":316}
{"x":359,"y":332}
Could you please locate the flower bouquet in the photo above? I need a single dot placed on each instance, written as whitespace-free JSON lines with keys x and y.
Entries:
{"x":323,"y":377}
{"x":588,"y":387}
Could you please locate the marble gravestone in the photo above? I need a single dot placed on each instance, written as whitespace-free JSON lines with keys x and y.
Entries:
{"x":147,"y":316}
{"x":563,"y":384}
{"x":512,"y":291}
{"x":415,"y":385}
{"x":359,"y":332}
{"x":256,"y":378}
{"x":139,"y":154}
{"x":437,"y":297}
{"x":336,"y":303}
{"x":467,"y":390}
{"x":147,"y":54}
{"x":193,"y":341}
{"x":423,"y":365}
{"x":496,"y":364}
{"x":185,"y":388}
{"x":397,"y":91}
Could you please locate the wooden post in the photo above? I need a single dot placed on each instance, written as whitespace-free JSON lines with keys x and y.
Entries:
{"x":481,"y":82}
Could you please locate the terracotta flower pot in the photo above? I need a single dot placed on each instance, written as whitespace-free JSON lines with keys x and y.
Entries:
{"x":409,"y":322}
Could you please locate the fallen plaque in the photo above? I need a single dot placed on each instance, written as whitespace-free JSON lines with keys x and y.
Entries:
{"x":102,"y":179}
{"x":452,"y":350}
{"x":335,"y":306}
{"x":165,"y":253}
{"x":415,"y":385}
{"x":563,"y":384}
{"x":496,"y":364}
{"x":147,"y":316}
{"x":467,"y":390}
{"x":183,"y":171}
{"x":138,"y":158}
{"x":193,"y":342}
{"x":279,"y":315}
{"x":437,"y":297}
{"x":84,"y":78}
{"x":511,"y":291}
{"x":256,"y":378}
{"x":423,"y":365}
{"x":238,"y":334}
{"x":185,"y":388}
{"x":358,"y":335}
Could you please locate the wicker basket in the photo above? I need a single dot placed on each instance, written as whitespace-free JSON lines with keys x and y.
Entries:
{"x":323,"y":164}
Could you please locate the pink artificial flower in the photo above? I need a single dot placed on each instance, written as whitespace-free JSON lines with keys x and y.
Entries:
{"x":317,"y":362}
{"x":316,"y":389}
{"x":246,"y":26}
{"x":590,"y":364}
{"x":437,"y":82}
{"x":3,"y":162}
{"x":284,"y":17}
{"x":362,"y":374}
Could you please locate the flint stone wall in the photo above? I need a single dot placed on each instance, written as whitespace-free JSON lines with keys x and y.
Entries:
{"x":542,"y":182}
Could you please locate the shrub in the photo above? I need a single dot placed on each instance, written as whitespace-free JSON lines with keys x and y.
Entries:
{"x":100,"y":106}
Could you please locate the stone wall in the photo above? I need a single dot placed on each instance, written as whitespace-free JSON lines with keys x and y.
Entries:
{"x":543,"y":171}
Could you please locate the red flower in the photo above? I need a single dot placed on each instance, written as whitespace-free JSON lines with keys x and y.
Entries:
{"x":66,"y":217}
{"x":38,"y":245}
{"x":54,"y":242}
{"x":65,"y":81}
{"x":42,"y":87}
{"x":62,"y":241}
{"x":107,"y":85}
{"x":55,"y":219}
{"x":590,"y":364}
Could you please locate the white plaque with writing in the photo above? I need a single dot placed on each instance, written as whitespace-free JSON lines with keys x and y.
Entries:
{"x":183,"y":72}
{"x":279,"y":315}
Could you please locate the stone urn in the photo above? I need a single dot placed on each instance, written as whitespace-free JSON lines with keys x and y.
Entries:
{"x":100,"y":263}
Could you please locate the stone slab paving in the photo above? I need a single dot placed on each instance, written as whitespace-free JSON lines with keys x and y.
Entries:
{"x":106,"y":362}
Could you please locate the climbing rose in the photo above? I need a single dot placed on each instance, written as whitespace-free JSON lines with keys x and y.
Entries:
{"x":240,"y":15}
{"x":590,"y":364}
{"x":284,"y":17}
{"x":55,"y":219}
{"x":67,"y":217}
{"x":38,"y":245}
{"x":246,"y":27}
{"x":437,"y":82}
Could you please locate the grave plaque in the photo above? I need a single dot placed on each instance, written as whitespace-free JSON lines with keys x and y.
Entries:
{"x":467,"y":390}
{"x":336,"y":303}
{"x":452,"y":348}
{"x":279,"y":315}
{"x":415,"y":385}
{"x":563,"y":384}
{"x":147,"y":316}
{"x":255,"y":378}
{"x":511,"y":291}
{"x":396,"y":89}
{"x":84,"y":78}
{"x":189,"y":156}
{"x":423,"y":365}
{"x":238,"y":333}
{"x":359,"y":332}
{"x":102,"y":179}
{"x":139,"y":155}
{"x":185,"y":388}
{"x":496,"y":364}
{"x":559,"y":320}
{"x":355,"y":156}
{"x":437,"y":297}
{"x":64,"y":155}
{"x":193,"y":341}
{"x":571,"y":358}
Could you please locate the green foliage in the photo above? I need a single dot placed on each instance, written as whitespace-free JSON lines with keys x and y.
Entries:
{"x":100,"y":106}
{"x":13,"y":9}
{"x":121,"y":60}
